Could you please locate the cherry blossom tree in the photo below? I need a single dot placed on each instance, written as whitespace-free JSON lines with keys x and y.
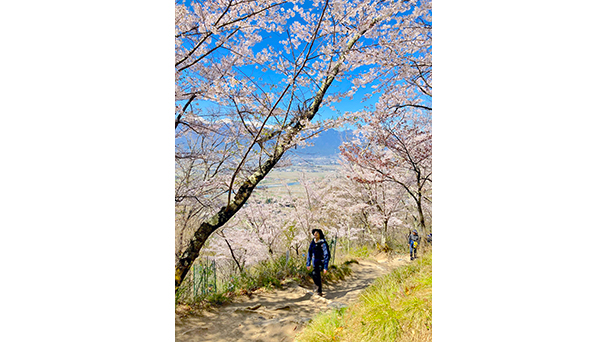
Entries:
{"x":268,"y":220}
{"x":396,"y":132}
{"x":374,"y":202}
{"x":234,"y":248}
{"x":251,"y":78}
{"x":344,"y":211}
{"x":345,"y":207}
{"x":322,"y":205}
{"x":397,"y":150}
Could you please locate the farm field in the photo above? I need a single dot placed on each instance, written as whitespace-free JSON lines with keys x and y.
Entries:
{"x":276,"y":180}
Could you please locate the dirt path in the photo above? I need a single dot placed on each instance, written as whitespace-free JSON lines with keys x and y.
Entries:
{"x":278,"y":315}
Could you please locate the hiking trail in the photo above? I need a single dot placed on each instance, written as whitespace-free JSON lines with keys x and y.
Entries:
{"x":278,"y":315}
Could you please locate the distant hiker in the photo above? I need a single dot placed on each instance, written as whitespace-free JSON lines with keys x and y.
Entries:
{"x":318,"y":257}
{"x":413,"y":241}
{"x":429,"y":238}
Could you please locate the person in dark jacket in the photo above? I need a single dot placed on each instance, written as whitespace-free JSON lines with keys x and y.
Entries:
{"x":413,"y":241}
{"x":318,"y":258}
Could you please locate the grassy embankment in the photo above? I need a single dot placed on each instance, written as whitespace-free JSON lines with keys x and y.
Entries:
{"x":396,"y":307}
{"x":269,"y":274}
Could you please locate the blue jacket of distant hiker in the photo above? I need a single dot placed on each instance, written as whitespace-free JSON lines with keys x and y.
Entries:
{"x":413,"y":238}
{"x":318,"y":253}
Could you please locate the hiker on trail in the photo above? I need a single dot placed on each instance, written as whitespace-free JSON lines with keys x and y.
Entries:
{"x":429,"y":238}
{"x":413,"y":241}
{"x":318,"y":257}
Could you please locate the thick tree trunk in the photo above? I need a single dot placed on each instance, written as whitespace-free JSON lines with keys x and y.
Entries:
{"x":420,"y":213}
{"x":419,"y":198}
{"x":384,"y":234}
{"x":368,"y":228}
{"x":187,"y":258}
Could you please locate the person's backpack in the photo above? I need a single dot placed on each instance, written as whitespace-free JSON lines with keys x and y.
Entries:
{"x":328,"y":248}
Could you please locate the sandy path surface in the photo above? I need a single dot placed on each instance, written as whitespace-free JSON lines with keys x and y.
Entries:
{"x":278,"y":315}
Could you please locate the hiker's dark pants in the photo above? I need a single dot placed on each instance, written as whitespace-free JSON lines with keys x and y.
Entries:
{"x":413,"y":251}
{"x":316,"y":276}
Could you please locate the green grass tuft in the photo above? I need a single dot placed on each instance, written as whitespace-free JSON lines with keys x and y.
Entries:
{"x":325,"y":327}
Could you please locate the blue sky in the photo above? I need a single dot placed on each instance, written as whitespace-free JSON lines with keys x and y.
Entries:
{"x":356,"y":104}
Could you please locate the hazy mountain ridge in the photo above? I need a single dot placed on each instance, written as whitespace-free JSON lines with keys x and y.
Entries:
{"x":324,"y":146}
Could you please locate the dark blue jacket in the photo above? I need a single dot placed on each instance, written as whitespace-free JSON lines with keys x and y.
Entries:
{"x":413,"y":237}
{"x":318,"y":253}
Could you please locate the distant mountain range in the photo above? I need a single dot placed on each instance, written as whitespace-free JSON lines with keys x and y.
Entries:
{"x":325,"y":147}
{"x":326,"y":144}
